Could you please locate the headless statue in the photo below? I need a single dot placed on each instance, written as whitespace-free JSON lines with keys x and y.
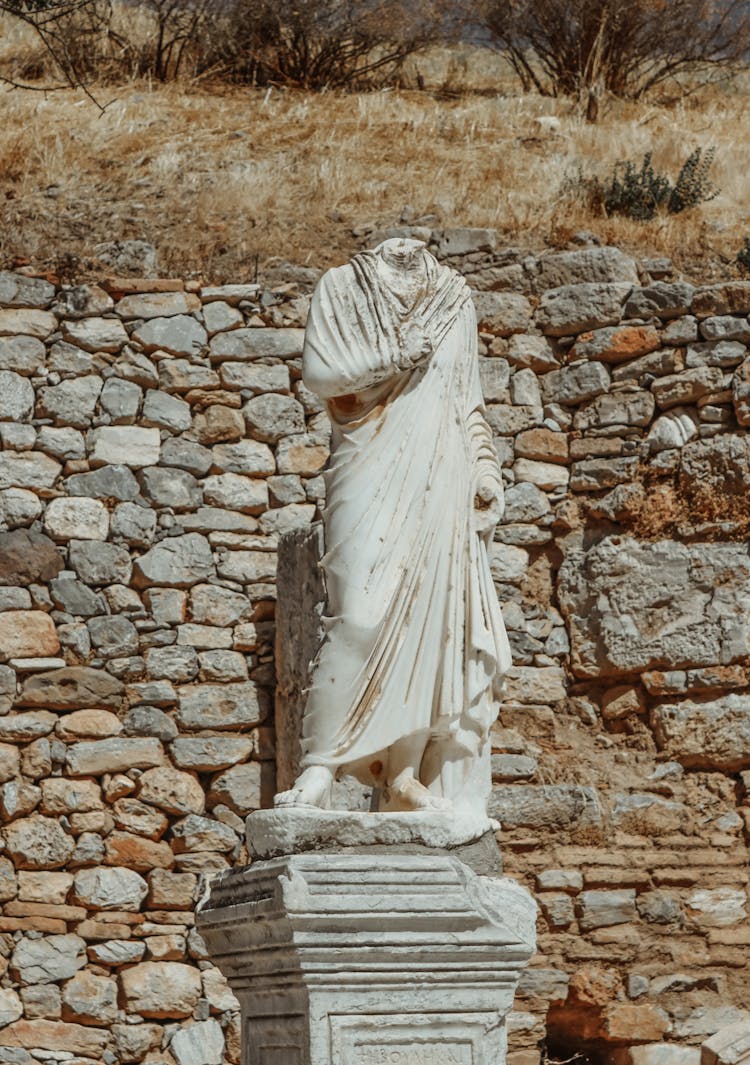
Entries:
{"x":405,"y":685}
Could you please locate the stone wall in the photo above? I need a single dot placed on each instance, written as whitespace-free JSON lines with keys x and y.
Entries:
{"x":157,"y":441}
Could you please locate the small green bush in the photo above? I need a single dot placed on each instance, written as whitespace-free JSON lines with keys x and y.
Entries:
{"x":640,"y":192}
{"x":743,"y":257}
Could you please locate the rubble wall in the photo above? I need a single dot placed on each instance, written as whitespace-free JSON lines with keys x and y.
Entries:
{"x":156,"y":443}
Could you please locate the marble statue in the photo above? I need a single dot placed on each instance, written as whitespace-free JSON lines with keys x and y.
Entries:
{"x":359,"y":937}
{"x":405,"y":685}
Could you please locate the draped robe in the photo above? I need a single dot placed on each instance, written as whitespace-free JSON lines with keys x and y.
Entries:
{"x":415,"y":642}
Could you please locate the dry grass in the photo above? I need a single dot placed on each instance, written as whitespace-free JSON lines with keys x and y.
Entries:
{"x":218,"y":178}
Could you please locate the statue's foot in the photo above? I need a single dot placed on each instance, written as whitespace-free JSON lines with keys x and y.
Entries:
{"x":409,"y":794}
{"x":311,"y":788}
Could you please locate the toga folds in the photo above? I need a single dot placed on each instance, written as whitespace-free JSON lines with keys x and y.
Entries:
{"x":415,"y":641}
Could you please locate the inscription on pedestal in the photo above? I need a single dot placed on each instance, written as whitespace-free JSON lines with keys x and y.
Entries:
{"x":416,"y":1039}
{"x":424,"y":1054}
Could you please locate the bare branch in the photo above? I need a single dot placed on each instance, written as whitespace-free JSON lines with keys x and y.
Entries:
{"x":576,"y":46}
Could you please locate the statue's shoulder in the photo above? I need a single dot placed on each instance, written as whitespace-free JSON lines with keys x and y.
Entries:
{"x":335,"y":280}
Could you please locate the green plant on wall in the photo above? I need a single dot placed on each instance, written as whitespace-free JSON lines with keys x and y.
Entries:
{"x":640,"y":192}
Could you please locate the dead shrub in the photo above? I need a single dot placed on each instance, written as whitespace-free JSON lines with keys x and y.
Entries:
{"x":591,"y":47}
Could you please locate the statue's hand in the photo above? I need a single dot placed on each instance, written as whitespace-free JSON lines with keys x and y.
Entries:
{"x":489,"y":501}
{"x":414,"y":343}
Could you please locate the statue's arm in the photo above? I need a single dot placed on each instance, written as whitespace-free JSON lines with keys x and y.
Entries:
{"x":488,"y":495}
{"x":350,"y":348}
{"x":331,"y":372}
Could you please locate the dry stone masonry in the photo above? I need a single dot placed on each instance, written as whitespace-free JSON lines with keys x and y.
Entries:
{"x":157,"y":443}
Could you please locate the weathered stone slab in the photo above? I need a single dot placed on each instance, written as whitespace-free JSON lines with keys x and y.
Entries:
{"x":728,"y":297}
{"x":720,"y":907}
{"x":239,"y":788}
{"x":96,"y":334}
{"x":174,"y":791}
{"x":154,"y":305}
{"x":178,"y":335}
{"x":110,"y":889}
{"x":706,"y":735}
{"x":633,"y":606}
{"x":575,"y":383}
{"x":27,"y":634}
{"x":544,"y":806}
{"x":617,"y":343}
{"x":623,"y":407}
{"x":271,"y":833}
{"x":221,"y":706}
{"x":16,"y":397}
{"x":72,"y":688}
{"x":577,"y":308}
{"x":202,"y":1041}
{"x":43,"y":1034}
{"x":16,"y":290}
{"x":161,"y":989}
{"x":178,"y":562}
{"x":38,"y":842}
{"x":583,"y":265}
{"x":28,"y":469}
{"x":22,"y":354}
{"x":534,"y":684}
{"x":243,"y":344}
{"x":130,"y":445}
{"x":31,"y":323}
{"x":599,"y":909}
{"x":664,"y":299}
{"x":208,"y":754}
{"x":686,"y":387}
{"x":502,"y":313}
{"x":94,"y":757}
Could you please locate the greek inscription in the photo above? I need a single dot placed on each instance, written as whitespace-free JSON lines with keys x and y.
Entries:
{"x":424,"y":1054}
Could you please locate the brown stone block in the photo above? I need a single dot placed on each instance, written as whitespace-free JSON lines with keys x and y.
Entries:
{"x":168,"y":890}
{"x":102,"y":930}
{"x":674,"y":877}
{"x":730,"y":297}
{"x":706,"y":856}
{"x":44,"y":909}
{"x":161,"y":989}
{"x":27,"y":634}
{"x":120,"y":917}
{"x":630,"y":1023}
{"x":523,"y":1057}
{"x":608,"y":953}
{"x":151,"y":929}
{"x":54,"y":1035}
{"x":622,"y":935}
{"x":610,"y":876}
{"x":171,"y":917}
{"x":618,"y":344}
{"x":573,"y":857}
{"x":735,"y":937}
{"x":27,"y":557}
{"x":72,"y":688}
{"x":728,"y":957}
{"x":32,"y":924}
{"x":135,"y":852}
{"x":118,"y":287}
{"x":542,"y":444}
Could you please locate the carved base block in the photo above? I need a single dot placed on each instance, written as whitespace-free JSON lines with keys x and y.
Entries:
{"x":294,"y":829}
{"x":355,"y":959}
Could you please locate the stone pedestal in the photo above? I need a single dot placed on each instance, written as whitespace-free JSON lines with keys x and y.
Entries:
{"x":345,"y":958}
